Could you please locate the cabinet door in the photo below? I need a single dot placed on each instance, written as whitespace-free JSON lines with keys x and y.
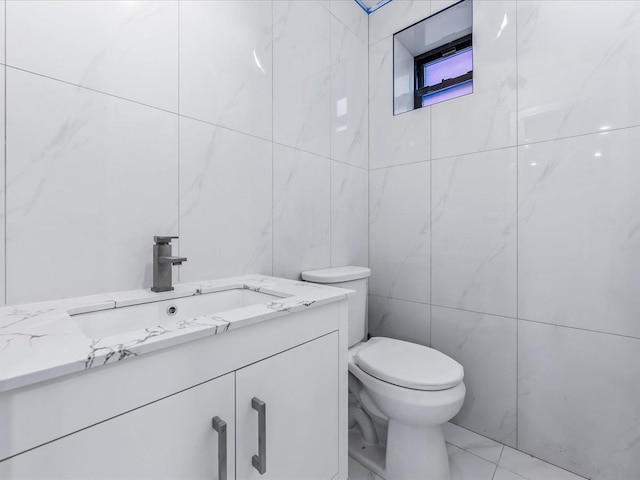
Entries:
{"x":171,"y":438}
{"x":299,"y":388}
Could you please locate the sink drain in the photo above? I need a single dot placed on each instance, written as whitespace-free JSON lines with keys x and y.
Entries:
{"x":172,"y":310}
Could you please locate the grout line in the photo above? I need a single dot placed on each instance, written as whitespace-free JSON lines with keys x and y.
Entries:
{"x":182,"y":115}
{"x":235,"y":421}
{"x":331,"y":72}
{"x":273,"y":63}
{"x":4,"y":71}
{"x":469,"y":452}
{"x":90,"y":89}
{"x":508,"y":317}
{"x":368,"y":157}
{"x":579,"y":328}
{"x":347,"y":26}
{"x":517,"y":146}
{"x":501,"y":452}
{"x":430,"y":224}
{"x":397,"y":299}
{"x":517,"y":235}
{"x":368,"y":170}
{"x":497,"y":463}
{"x":179,"y":272}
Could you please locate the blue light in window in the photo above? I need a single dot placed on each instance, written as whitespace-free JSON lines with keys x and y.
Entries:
{"x":448,"y":67}
{"x":448,"y":93}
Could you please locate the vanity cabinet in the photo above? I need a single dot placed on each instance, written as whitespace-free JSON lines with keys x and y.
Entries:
{"x":300,"y":391}
{"x":295,"y":393}
{"x":168,"y":439}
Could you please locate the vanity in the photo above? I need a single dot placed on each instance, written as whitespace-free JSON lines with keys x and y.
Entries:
{"x":239,"y":378}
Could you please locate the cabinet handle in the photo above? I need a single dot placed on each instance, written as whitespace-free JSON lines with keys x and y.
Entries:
{"x":220,"y":426}
{"x":259,"y":461}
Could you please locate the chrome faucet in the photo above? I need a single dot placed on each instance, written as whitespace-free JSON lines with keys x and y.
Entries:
{"x":162,"y":263}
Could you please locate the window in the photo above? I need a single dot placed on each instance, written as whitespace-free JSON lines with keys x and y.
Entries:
{"x":443,"y":73}
{"x":433,"y":59}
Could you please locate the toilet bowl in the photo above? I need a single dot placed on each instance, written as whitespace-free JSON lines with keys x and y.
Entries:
{"x":407,"y":390}
{"x":415,"y":447}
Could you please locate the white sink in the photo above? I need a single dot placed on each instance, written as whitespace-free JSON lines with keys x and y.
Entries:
{"x":166,"y":313}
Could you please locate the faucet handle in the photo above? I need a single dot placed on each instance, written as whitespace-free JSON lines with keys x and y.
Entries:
{"x":162,"y":240}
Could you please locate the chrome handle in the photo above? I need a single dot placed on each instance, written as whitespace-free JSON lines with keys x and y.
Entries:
{"x":259,"y":461}
{"x":220,"y":426}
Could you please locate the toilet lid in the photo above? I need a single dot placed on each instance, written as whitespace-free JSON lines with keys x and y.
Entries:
{"x":408,"y":365}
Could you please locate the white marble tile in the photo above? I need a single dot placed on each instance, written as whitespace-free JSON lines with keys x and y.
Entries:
{"x":472,"y":442}
{"x":358,"y":472}
{"x":399,"y":232}
{"x":466,"y":466}
{"x":225,"y":202}
{"x":301,"y":212}
{"x":399,"y":319}
{"x":230,"y":86}
{"x":533,"y":468}
{"x":403,"y":78}
{"x":302,"y":76}
{"x":578,"y":403}
{"x":502,"y":474}
{"x":486,"y":346}
{"x":395,"y":16}
{"x":128,"y":49}
{"x":577,"y":62}
{"x":2,"y":183}
{"x":349,"y":215}
{"x":399,"y":139}
{"x":463,"y":124}
{"x":94,"y":178}
{"x":2,"y":30}
{"x":349,"y":97}
{"x":439,"y":5}
{"x":473,"y":251}
{"x":352,"y":16}
{"x":324,"y":4}
{"x":579,"y":232}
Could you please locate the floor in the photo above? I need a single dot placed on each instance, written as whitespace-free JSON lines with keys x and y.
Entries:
{"x":474,"y":457}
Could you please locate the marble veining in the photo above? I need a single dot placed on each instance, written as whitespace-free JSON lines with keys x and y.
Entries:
{"x":42,"y":341}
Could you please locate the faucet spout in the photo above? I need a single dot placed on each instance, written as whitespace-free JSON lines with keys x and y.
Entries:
{"x":172,"y":260}
{"x":163,"y":262}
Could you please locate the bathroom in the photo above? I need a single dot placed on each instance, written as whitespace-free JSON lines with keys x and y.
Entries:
{"x":501,"y":229}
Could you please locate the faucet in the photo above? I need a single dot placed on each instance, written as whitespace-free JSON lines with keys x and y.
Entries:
{"x":162,"y":263}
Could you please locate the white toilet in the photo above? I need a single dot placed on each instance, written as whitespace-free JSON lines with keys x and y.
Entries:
{"x":410,"y":388}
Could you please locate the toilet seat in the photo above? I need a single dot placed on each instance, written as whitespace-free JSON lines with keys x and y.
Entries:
{"x":408,"y":365}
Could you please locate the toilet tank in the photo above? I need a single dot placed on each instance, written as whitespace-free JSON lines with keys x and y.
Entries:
{"x":352,"y":278}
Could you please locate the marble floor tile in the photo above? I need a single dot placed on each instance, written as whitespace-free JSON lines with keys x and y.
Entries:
{"x":472,"y":442}
{"x":474,"y":457}
{"x":358,"y":472}
{"x":532,"y":468}
{"x":467,"y":466}
{"x":502,"y":474}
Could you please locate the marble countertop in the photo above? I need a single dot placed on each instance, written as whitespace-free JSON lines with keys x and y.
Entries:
{"x":41,"y":341}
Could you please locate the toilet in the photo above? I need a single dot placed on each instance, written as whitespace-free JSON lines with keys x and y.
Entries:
{"x":399,"y":391}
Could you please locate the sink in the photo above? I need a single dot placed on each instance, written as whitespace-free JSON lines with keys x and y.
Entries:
{"x":166,"y":313}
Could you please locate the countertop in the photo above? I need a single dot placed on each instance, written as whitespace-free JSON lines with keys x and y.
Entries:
{"x":42,"y":341}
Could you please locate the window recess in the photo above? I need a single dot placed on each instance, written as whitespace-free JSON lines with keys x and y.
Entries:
{"x":433,"y":59}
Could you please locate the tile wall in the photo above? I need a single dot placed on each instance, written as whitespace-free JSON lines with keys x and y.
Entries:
{"x":505,"y":225}
{"x":242,"y":127}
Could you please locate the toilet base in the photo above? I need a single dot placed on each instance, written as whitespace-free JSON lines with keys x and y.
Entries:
{"x":370,"y":456}
{"x":416,"y":452}
{"x":432,"y":458}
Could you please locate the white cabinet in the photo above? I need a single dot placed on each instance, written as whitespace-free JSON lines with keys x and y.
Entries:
{"x":173,"y":438}
{"x":299,"y":388}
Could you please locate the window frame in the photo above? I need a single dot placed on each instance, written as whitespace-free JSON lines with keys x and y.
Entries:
{"x":422,"y":60}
